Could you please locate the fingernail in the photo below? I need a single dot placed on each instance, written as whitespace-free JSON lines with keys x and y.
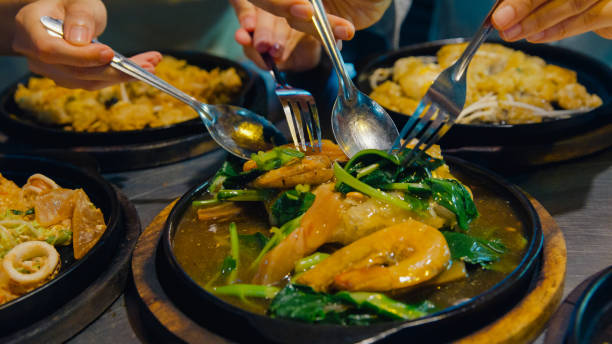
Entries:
{"x":512,"y":32}
{"x":262,"y":47}
{"x":79,"y":34}
{"x":341,"y":33}
{"x":106,"y":55}
{"x":303,"y":12}
{"x":275,"y":50}
{"x":248,"y":23}
{"x":538,"y":36}
{"x":339,"y":44}
{"x":504,"y":15}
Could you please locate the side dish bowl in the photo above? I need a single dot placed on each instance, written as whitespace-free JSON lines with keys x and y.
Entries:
{"x":19,"y":127}
{"x":445,"y":325}
{"x":74,"y":275}
{"x":594,"y":75}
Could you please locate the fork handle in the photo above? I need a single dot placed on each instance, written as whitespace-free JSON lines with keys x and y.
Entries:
{"x":481,"y":35}
{"x":127,"y":66}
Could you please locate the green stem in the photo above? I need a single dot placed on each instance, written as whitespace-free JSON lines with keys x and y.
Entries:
{"x":344,"y":177}
{"x":309,"y":262}
{"x":367,"y":170}
{"x":235,"y":251}
{"x":206,"y":202}
{"x":243,"y":195}
{"x":247,"y":290}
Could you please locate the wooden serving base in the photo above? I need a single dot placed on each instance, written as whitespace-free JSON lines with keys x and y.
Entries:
{"x":568,"y":148}
{"x":95,"y":299}
{"x":521,"y":324}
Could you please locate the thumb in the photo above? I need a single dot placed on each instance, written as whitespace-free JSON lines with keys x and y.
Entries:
{"x":84,"y":20}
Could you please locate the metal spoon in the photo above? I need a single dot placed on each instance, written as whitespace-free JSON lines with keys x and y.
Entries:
{"x":238,"y":130}
{"x":358,"y":122}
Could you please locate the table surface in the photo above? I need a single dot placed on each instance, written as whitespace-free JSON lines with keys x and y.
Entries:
{"x":577,"y":193}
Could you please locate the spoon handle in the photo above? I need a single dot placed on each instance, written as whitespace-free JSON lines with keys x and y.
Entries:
{"x":127,"y":66}
{"x":322,"y":25}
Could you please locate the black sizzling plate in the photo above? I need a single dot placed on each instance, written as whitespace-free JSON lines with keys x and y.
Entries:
{"x":448,"y":324}
{"x":594,"y":75}
{"x":74,"y":274}
{"x":15,"y":123}
{"x":592,"y":316}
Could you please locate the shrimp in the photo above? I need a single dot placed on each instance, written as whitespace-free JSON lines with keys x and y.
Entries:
{"x":315,"y":229}
{"x":399,"y":256}
{"x":312,"y":170}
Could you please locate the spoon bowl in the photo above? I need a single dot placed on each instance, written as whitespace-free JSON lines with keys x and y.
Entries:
{"x":362,"y":124}
{"x":358,"y":122}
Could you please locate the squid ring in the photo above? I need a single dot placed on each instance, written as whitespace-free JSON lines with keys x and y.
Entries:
{"x":23,"y":252}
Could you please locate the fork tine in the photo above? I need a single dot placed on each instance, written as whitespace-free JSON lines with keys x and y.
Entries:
{"x":433,"y":128}
{"x":298,"y":122}
{"x":306,"y":116}
{"x":317,"y":123}
{"x":422,"y":124}
{"x":408,"y":126}
{"x":289,"y":117}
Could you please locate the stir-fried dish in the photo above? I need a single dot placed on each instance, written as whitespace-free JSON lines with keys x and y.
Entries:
{"x":128,"y":106}
{"x":34,"y":219}
{"x":504,"y":86}
{"x":319,"y":238}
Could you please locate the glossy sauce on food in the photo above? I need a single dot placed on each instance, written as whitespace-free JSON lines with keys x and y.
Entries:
{"x":201,"y":247}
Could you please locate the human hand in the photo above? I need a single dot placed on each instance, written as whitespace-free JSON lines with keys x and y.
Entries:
{"x":344,"y":15}
{"x":541,"y":21}
{"x":72,"y":62}
{"x":261,"y":32}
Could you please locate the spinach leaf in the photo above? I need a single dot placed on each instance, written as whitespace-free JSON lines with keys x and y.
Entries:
{"x":291,"y":204}
{"x":473,"y":250}
{"x":386,"y":306}
{"x":230,"y":176}
{"x":453,"y":196}
{"x":301,"y":303}
{"x":275,"y":158}
{"x":257,"y":240}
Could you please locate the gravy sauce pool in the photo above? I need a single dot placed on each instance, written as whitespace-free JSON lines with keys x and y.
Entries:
{"x":201,"y":247}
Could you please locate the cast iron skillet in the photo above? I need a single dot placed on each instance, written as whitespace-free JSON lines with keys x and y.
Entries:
{"x":446,"y":325}
{"x":594,"y":75}
{"x":592,"y":316}
{"x":74,"y":275}
{"x":21,"y":127}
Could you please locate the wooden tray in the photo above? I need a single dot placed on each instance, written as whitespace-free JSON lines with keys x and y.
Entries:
{"x":95,"y":299}
{"x":523,"y":323}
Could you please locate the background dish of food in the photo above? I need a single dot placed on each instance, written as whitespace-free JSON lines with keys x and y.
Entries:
{"x":74,"y":275}
{"x":591,"y":73}
{"x":20,"y":127}
{"x":197,"y":302}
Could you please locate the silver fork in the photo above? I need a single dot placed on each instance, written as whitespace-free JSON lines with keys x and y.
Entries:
{"x":439,"y":108}
{"x":299,"y":107}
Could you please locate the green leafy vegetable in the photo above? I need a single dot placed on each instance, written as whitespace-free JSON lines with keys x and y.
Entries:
{"x":279,"y":235}
{"x":230,"y":176}
{"x":257,"y":240}
{"x":309,"y":262}
{"x":235,"y":251}
{"x":473,"y":250}
{"x":453,"y":196}
{"x":244,"y":195}
{"x":247,"y":290}
{"x":275,"y":158}
{"x":301,"y":303}
{"x":343,"y":177}
{"x":386,"y":306}
{"x":291,"y":204}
